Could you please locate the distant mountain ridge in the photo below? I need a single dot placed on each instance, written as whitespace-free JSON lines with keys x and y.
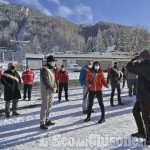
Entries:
{"x":47,"y":33}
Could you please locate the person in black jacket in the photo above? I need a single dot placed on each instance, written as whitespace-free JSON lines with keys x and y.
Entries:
{"x":142,"y":104}
{"x":115,"y":79}
{"x":12,"y":82}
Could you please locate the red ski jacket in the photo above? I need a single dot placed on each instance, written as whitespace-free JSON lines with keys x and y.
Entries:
{"x":98,"y":82}
{"x":63,"y":77}
{"x":28,"y":77}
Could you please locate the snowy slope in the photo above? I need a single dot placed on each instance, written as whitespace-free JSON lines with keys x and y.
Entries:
{"x":69,"y":132}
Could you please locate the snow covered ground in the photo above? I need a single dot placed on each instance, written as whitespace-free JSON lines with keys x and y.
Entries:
{"x":70,"y":132}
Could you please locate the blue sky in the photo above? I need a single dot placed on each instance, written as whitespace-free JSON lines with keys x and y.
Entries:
{"x":126,"y":12}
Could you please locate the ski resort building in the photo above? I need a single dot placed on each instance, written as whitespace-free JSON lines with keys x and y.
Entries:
{"x":106,"y":59}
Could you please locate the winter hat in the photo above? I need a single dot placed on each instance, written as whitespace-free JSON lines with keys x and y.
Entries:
{"x":62,"y":66}
{"x":145,"y":54}
{"x":50,"y":58}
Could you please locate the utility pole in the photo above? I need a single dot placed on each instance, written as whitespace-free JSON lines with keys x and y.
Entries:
{"x":3,"y":50}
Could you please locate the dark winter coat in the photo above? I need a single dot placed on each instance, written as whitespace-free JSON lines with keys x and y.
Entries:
{"x":115,"y":76}
{"x":12,"y":82}
{"x":143,"y":86}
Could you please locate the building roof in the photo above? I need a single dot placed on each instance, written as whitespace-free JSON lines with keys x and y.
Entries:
{"x":35,"y":56}
{"x":100,"y":56}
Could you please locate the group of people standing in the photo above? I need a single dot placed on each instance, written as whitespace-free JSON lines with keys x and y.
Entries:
{"x":92,"y":80}
{"x":137,"y":73}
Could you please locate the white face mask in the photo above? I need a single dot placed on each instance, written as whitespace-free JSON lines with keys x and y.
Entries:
{"x":89,"y":66}
{"x":97,"y":67}
{"x":63,"y":69}
{"x":53,"y":64}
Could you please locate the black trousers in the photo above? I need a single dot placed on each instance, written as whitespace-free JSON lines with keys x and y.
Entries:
{"x":124,"y":80}
{"x":14,"y":106}
{"x":61,"y":86}
{"x":27,"y":87}
{"x":99,"y":96}
{"x":113,"y":87}
{"x":144,"y":119}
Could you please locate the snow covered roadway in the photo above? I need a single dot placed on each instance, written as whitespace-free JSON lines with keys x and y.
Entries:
{"x":70,"y":132}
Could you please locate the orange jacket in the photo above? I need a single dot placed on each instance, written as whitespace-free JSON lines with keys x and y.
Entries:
{"x":28,"y":77}
{"x":98,"y":82}
{"x":63,"y":77}
{"x":56,"y":74}
{"x":1,"y":74}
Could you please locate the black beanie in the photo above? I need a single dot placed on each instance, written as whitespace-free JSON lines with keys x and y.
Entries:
{"x":145,"y":54}
{"x":62,"y":66}
{"x":50,"y":58}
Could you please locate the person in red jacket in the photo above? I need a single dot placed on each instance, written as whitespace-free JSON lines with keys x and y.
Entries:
{"x":56,"y":70}
{"x":1,"y":72}
{"x":28,"y":78}
{"x":63,"y":83}
{"x":96,"y":80}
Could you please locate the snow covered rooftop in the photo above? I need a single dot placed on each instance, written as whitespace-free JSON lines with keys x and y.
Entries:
{"x":34,"y":56}
{"x":103,"y":56}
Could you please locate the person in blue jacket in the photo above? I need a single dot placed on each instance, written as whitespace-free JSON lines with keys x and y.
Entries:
{"x":82,"y":79}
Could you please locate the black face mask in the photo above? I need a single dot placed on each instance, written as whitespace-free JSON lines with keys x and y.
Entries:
{"x":115,"y":66}
{"x":12,"y":67}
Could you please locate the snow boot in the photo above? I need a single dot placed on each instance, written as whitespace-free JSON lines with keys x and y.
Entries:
{"x":7,"y":115}
{"x":101,"y":121}
{"x":87,"y":119}
{"x":43,"y":126}
{"x":15,"y":113}
{"x":139,"y":135}
{"x":49,"y":123}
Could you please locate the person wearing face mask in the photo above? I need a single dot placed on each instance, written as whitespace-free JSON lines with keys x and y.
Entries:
{"x":115,"y":78}
{"x":12,"y":83}
{"x":82,"y":80}
{"x":48,"y":88}
{"x":63,"y":83}
{"x":28,"y":78}
{"x":96,"y":80}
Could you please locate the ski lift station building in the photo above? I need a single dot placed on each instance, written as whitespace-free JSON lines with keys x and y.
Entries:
{"x":35,"y":61}
{"x":106,"y":59}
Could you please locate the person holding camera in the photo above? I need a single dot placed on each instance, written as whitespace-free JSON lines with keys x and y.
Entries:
{"x":142,"y":104}
{"x":115,"y":79}
{"x":48,"y":88}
